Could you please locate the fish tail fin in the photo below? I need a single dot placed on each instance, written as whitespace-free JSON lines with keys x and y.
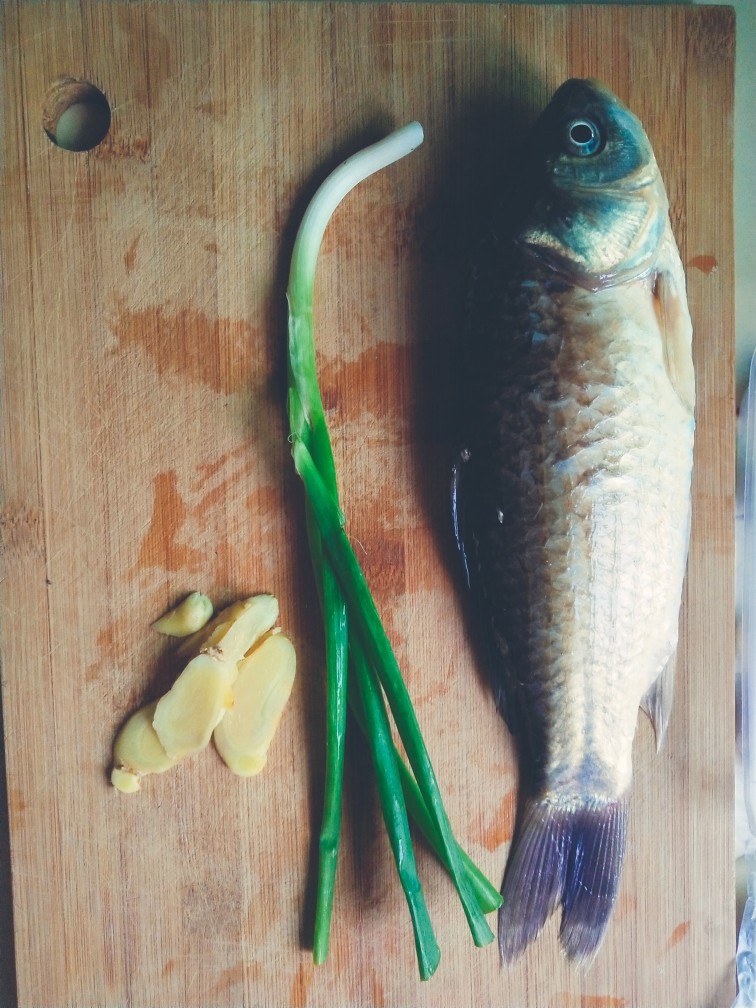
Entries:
{"x":563,"y":854}
{"x":534,"y":879}
{"x":597,"y":849}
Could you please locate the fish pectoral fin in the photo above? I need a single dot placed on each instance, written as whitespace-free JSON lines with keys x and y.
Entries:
{"x":657,"y":702}
{"x":676,"y":332}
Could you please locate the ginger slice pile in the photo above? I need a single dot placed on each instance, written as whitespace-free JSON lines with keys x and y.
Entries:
{"x":238,"y":663}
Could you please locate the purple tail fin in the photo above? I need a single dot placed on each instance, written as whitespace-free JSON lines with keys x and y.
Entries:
{"x":567,"y":855}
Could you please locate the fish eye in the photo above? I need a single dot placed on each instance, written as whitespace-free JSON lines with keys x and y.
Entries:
{"x":583,"y":137}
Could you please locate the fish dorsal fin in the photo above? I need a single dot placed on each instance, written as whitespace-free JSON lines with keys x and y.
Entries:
{"x":676,"y":333}
{"x":657,"y":702}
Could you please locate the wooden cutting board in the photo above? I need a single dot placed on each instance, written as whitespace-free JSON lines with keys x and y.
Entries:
{"x":144,"y":455}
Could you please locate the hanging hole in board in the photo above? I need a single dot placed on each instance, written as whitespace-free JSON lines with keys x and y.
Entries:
{"x":76,"y":114}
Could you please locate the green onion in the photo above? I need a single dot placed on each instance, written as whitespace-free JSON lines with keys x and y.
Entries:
{"x":381,"y":656}
{"x":487,"y":895}
{"x":395,"y":813}
{"x":351,"y":621}
{"x":336,"y":638}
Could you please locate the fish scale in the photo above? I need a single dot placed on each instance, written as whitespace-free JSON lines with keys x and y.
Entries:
{"x":572,"y":502}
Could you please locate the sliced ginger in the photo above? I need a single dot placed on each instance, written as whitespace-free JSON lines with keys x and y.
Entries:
{"x":260,"y":693}
{"x":185,"y":717}
{"x":182,"y":722}
{"x":137,"y":751}
{"x":189,"y":616}
{"x":236,"y":629}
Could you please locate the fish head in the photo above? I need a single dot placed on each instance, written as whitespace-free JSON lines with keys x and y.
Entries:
{"x":599,"y":209}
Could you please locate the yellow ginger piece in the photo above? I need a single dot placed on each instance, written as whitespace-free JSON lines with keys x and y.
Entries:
{"x":235,"y":629}
{"x":185,"y":717}
{"x":137,"y":751}
{"x":260,"y":693}
{"x":189,"y":616}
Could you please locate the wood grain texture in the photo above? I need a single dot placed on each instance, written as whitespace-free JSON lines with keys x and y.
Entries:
{"x":144,"y":455}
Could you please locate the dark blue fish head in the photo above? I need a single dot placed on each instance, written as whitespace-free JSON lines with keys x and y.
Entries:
{"x":586,"y":137}
{"x":599,"y":209}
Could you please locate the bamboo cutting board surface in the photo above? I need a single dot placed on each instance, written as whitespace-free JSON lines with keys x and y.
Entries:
{"x":144,"y":455}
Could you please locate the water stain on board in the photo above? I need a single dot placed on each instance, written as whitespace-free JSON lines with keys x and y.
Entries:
{"x":705,"y":263}
{"x":112,"y":645}
{"x":383,"y":562}
{"x":213,"y":496}
{"x":569,"y":1000}
{"x":208,"y":470}
{"x":196,"y":517}
{"x":300,"y":988}
{"x":235,"y":975}
{"x":129,"y":256}
{"x":374,"y":383}
{"x":678,"y":934}
{"x":160,"y":546}
{"x":265,"y":501}
{"x":377,"y":996}
{"x":189,"y":344}
{"x":499,"y":829}
{"x":17,"y":804}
